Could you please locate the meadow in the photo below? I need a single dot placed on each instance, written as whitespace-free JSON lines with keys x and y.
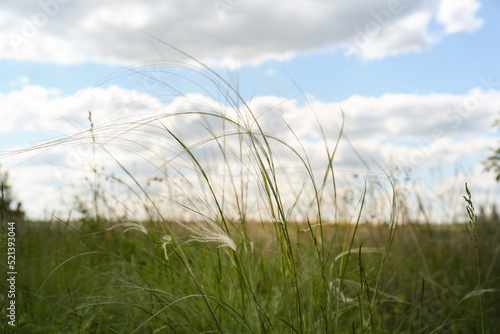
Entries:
{"x":242,"y":257}
{"x":419,"y":278}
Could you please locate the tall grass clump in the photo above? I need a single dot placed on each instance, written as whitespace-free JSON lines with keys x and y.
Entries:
{"x":252,"y":237}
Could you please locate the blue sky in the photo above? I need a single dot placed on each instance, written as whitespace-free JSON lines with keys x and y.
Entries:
{"x":422,"y":90}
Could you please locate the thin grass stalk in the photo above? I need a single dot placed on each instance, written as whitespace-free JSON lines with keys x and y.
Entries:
{"x":205,"y":177}
{"x":223,"y":149}
{"x":94,"y":169}
{"x":392,"y":233}
{"x":344,"y":266}
{"x":421,"y":304}
{"x":280,"y":220}
{"x":472,"y":230}
{"x":245,"y":281}
{"x":238,"y":263}
{"x":365,"y":288}
{"x":184,"y":261}
{"x":319,"y":248}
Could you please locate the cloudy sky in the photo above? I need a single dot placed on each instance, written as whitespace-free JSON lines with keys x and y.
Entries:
{"x":418,"y":83}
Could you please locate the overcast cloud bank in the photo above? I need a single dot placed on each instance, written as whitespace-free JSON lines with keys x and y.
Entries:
{"x":230,"y":32}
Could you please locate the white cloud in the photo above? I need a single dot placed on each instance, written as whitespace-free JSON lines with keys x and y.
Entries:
{"x":399,"y":119}
{"x":459,"y":15}
{"x":404,"y":36}
{"x":405,"y":130}
{"x":19,"y":82}
{"x":35,"y":108}
{"x":27,"y":109}
{"x":411,"y":119}
{"x":250,"y":32}
{"x":270,"y":72}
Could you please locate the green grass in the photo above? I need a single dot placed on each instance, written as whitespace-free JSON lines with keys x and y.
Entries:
{"x":121,"y":282}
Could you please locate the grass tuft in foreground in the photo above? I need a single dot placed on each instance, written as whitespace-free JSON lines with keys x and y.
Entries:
{"x":258,"y":246}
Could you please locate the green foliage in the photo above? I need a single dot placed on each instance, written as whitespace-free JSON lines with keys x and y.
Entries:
{"x":492,"y":163}
{"x":7,"y":212}
{"x":124,"y":284}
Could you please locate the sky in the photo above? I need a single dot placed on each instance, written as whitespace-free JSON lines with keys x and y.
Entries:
{"x":416,"y":85}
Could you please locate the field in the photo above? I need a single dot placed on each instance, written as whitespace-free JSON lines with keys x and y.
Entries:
{"x":413,"y":278}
